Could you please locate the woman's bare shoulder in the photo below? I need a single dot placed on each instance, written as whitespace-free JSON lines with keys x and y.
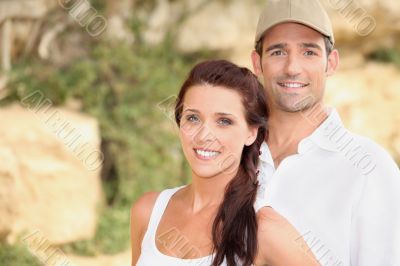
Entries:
{"x":140,"y":217}
{"x":142,"y":208}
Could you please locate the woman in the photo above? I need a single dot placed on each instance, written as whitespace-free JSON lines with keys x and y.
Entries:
{"x":221,"y":112}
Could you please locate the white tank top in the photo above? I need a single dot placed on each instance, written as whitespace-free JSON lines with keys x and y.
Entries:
{"x":150,"y":255}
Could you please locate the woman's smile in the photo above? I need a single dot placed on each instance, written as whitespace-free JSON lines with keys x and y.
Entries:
{"x":206,"y":155}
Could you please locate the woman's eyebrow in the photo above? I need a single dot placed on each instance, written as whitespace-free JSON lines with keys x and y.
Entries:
{"x":216,"y":113}
{"x":191,"y":110}
{"x":224,"y":114}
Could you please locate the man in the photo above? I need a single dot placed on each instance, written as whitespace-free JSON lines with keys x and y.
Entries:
{"x":341,"y":191}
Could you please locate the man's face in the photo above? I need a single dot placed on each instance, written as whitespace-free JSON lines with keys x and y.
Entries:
{"x":294,"y":65}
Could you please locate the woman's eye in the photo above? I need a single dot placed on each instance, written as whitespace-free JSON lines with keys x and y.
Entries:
{"x":192,"y":118}
{"x":225,"y":122}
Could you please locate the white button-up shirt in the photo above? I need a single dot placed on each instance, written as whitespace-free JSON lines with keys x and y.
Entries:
{"x":341,"y":191}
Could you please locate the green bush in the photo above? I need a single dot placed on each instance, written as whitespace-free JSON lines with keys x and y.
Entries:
{"x":17,"y":256}
{"x":386,"y":55}
{"x":121,"y":85}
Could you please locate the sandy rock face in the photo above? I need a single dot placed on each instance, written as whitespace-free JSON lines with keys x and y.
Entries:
{"x":365,"y":24}
{"x":49,"y":178}
{"x":368,"y":100}
{"x":232,"y":25}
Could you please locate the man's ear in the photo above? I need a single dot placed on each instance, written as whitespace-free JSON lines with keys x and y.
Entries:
{"x":256,"y":60}
{"x":333,"y":62}
{"x":252,"y":136}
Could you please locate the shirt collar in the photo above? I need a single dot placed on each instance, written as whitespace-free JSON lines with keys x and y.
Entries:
{"x":320,"y":137}
{"x":265,"y":154}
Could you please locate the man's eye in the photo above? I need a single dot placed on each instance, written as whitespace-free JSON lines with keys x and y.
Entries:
{"x":225,"y":122}
{"x":192,"y":118}
{"x":277,"y":53}
{"x":308,"y":53}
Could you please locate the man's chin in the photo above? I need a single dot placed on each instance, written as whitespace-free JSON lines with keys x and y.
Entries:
{"x":295,"y":107}
{"x":295,"y":103}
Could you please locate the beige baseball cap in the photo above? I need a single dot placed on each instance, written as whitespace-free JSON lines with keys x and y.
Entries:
{"x":307,"y":12}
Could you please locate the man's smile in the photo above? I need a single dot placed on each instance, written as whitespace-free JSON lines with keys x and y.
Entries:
{"x":292,"y":85}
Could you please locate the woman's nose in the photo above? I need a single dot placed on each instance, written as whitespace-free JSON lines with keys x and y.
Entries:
{"x":204,"y":135}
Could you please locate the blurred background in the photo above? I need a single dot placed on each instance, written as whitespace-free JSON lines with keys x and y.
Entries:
{"x":86,"y":95}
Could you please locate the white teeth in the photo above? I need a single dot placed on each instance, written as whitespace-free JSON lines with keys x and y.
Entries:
{"x":292,"y":85}
{"x":207,"y":153}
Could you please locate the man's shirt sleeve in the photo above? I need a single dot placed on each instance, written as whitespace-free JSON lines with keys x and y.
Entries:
{"x":375,"y":237}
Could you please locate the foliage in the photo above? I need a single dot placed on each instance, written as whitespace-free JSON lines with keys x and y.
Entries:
{"x":386,"y":56}
{"x":121,"y":85}
{"x":17,"y":256}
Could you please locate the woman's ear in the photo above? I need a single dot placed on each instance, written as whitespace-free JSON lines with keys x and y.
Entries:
{"x":251,"y":136}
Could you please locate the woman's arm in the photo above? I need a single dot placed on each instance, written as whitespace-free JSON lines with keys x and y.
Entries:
{"x":140,"y":216}
{"x":279,"y":242}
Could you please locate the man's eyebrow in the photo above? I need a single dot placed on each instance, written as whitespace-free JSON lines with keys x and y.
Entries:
{"x":276,"y":46}
{"x":311,"y":45}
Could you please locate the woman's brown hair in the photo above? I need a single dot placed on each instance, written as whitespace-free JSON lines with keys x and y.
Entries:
{"x":234,"y":230}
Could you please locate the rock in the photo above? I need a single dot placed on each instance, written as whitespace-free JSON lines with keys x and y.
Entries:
{"x":48,"y":182}
{"x":118,"y":14}
{"x":220,"y":26}
{"x":33,"y":9}
{"x":368,"y":99}
{"x":117,"y":30}
{"x":230,"y":26}
{"x":158,"y":23}
{"x":365,"y":24}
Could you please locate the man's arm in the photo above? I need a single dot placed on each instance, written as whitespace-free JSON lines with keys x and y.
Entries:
{"x":375,"y":231}
{"x":280,"y":244}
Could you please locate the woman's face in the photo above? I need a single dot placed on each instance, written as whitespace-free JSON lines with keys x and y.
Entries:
{"x":213,"y":130}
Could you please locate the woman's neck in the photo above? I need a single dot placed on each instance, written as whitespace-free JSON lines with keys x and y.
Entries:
{"x":207,"y":192}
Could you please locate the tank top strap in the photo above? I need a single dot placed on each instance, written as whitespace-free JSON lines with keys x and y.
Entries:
{"x":157,"y":212}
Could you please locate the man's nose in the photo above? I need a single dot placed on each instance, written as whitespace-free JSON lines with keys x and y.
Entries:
{"x":292,"y":66}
